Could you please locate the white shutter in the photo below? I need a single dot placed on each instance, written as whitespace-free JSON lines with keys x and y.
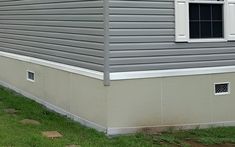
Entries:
{"x":181,"y":20}
{"x":231,"y":19}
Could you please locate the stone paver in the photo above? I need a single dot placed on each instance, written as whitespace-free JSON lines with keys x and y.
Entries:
{"x":29,"y":122}
{"x":51,"y":134}
{"x":10,"y":111}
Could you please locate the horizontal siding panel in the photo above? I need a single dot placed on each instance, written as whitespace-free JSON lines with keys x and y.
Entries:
{"x":141,"y":18}
{"x":49,"y":41}
{"x":82,"y":11}
{"x":53,"y":47}
{"x":133,"y":39}
{"x":64,"y":31}
{"x":171,"y":45}
{"x":141,"y":4}
{"x":141,"y":32}
{"x":43,"y":50}
{"x":175,"y":65}
{"x":76,"y":37}
{"x":65,"y":5}
{"x":140,"y":11}
{"x":71,"y":56}
{"x":30,"y":2}
{"x":142,"y":25}
{"x":171,"y":52}
{"x":167,"y":59}
{"x":55,"y":23}
{"x":5,"y":3}
{"x":53,"y":17}
{"x":87,"y":31}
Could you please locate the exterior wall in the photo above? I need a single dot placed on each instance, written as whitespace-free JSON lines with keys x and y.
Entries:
{"x":64,"y":31}
{"x":157,"y":103}
{"x":142,"y":38}
{"x":79,"y":97}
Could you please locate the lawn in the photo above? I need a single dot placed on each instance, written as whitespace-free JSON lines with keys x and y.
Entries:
{"x":15,"y":134}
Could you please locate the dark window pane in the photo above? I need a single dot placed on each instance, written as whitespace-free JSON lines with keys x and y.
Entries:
{"x":206,"y":20}
{"x":194,"y":11}
{"x":217,"y":12}
{"x":206,"y":30}
{"x":205,"y":12}
{"x":218,"y":29}
{"x":194,"y":30}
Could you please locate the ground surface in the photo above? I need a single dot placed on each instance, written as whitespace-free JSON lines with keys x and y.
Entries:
{"x":23,"y":122}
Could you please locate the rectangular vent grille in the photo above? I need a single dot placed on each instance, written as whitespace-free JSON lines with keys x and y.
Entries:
{"x":30,"y":76}
{"x":221,"y":88}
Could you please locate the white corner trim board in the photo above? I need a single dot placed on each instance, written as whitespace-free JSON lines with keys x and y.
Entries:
{"x":60,"y":66}
{"x":170,"y":72}
{"x":56,"y":109}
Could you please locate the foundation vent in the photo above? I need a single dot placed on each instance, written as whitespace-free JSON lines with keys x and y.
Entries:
{"x":30,"y":76}
{"x":222,"y":88}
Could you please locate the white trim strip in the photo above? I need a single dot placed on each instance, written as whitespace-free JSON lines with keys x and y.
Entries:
{"x":121,"y":75}
{"x":56,"y":108}
{"x":170,"y":72}
{"x":60,"y":66}
{"x":161,"y":128}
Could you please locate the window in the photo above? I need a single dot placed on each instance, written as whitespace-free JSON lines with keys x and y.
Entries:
{"x":221,"y":88}
{"x":204,"y":20}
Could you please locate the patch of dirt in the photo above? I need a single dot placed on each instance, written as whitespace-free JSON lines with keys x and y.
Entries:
{"x":29,"y":122}
{"x":52,"y":134}
{"x":11,"y":111}
{"x":196,"y":144}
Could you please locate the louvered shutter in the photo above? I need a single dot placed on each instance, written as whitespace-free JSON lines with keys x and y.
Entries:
{"x":181,"y":21}
{"x":231,"y":19}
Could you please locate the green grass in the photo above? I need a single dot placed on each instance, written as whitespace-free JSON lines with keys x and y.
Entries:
{"x":13,"y":133}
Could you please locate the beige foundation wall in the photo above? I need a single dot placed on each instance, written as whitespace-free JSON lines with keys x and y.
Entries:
{"x":78,"y":95}
{"x":126,"y":105}
{"x":169,"y":101}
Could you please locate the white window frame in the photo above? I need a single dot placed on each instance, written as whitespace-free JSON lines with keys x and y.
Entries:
{"x":224,"y":39}
{"x":185,"y":37}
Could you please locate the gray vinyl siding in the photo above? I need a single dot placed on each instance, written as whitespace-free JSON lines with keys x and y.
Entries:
{"x":72,"y":32}
{"x":64,"y":31}
{"x":142,"y":38}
